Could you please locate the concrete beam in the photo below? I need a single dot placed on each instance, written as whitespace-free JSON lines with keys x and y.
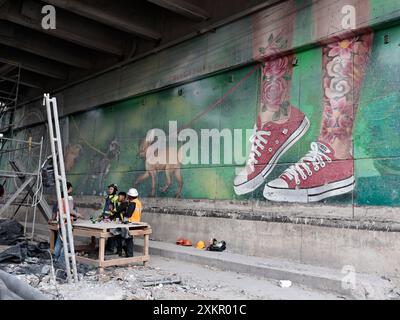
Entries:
{"x":33,"y":63}
{"x":103,"y":16}
{"x":69,"y":27}
{"x":42,"y":45}
{"x":183,"y":8}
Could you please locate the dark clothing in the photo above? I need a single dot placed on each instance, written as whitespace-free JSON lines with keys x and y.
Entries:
{"x":121,"y":210}
{"x":123,"y":240}
{"x":131,"y":208}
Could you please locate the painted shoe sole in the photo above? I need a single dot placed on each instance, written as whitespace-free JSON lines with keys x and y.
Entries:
{"x":251,"y":185}
{"x":310,"y":195}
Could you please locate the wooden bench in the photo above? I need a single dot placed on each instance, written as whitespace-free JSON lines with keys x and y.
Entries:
{"x":101,"y":230}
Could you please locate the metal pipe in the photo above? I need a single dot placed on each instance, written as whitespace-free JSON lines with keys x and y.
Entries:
{"x":20,"y":288}
{"x":34,"y":200}
{"x":15,"y":195}
{"x":22,"y":141}
{"x":11,"y":174}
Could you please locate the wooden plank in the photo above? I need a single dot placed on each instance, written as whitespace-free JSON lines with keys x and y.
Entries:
{"x":53,"y":237}
{"x":85,"y":248}
{"x":125,"y":261}
{"x":146,"y":245}
{"x":87,"y":233}
{"x":146,"y":248}
{"x":140,"y":232}
{"x":53,"y":226}
{"x":102,"y":248}
{"x":108,"y":225}
{"x":135,"y":233}
{"x":88,"y":261}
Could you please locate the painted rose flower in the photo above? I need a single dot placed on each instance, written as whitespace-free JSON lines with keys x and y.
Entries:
{"x":338,"y":88}
{"x":276,"y":68}
{"x":339,"y":67}
{"x":274,"y":92}
{"x":342,"y":48}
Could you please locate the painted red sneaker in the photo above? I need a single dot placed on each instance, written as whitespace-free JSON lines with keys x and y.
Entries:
{"x":317,"y":176}
{"x":268,"y":144}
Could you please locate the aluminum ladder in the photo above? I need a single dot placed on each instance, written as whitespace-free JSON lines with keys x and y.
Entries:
{"x":61,"y":185}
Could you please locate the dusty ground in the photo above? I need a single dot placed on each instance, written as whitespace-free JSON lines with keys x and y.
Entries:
{"x":138,"y":282}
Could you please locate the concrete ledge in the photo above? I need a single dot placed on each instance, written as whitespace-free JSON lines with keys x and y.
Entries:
{"x":315,"y":277}
{"x":330,"y":215}
{"x":318,"y":278}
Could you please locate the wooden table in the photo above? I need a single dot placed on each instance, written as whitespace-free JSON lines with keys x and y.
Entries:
{"x":101,"y":230}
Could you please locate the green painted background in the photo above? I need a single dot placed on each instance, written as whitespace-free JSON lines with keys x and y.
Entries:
{"x":376,"y":133}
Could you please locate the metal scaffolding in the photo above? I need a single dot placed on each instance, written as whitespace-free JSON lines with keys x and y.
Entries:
{"x":21,"y":176}
{"x":10,"y":75}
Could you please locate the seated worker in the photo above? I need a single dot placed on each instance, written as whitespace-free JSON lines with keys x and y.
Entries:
{"x":132,"y":214}
{"x":121,"y":207}
{"x":134,"y":211}
{"x":120,"y":211}
{"x":110,"y":202}
{"x":59,"y":247}
{"x":109,"y":210}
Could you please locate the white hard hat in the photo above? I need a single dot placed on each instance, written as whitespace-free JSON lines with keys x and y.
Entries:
{"x":132,"y":192}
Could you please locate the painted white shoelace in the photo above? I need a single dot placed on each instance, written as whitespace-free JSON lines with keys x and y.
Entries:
{"x":257,"y":142}
{"x":316,"y":157}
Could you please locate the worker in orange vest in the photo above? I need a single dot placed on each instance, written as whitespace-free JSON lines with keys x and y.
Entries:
{"x":132,"y":214}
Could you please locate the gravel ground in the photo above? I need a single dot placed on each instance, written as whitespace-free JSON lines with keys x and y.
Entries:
{"x":163,"y":279}
{"x":168,"y":279}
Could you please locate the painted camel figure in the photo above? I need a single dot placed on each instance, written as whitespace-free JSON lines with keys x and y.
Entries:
{"x":71,"y":155}
{"x":161,"y":160}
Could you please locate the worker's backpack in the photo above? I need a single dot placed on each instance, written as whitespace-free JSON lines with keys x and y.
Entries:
{"x":217,"y":245}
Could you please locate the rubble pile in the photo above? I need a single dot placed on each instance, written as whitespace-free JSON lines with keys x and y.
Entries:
{"x":130,"y":283}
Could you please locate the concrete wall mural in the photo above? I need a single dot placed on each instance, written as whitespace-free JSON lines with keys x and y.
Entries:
{"x":320,"y":125}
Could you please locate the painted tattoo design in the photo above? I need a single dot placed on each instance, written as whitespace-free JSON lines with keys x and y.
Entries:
{"x":276,"y":79}
{"x":344,"y":66}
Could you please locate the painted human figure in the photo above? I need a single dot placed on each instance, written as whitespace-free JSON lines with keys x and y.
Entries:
{"x":328,"y":169}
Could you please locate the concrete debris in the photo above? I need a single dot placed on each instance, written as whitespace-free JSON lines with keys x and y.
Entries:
{"x":285,"y":283}
{"x":160,"y":282}
{"x":171,"y":279}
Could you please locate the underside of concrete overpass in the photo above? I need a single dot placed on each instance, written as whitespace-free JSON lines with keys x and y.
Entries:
{"x":93,"y":36}
{"x":275,"y":129}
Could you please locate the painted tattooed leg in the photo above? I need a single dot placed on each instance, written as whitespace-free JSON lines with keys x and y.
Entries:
{"x":344,"y":66}
{"x":279,"y":125}
{"x":328,"y":169}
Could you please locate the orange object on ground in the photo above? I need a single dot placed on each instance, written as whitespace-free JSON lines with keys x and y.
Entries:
{"x":187,"y":243}
{"x":200,"y":245}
